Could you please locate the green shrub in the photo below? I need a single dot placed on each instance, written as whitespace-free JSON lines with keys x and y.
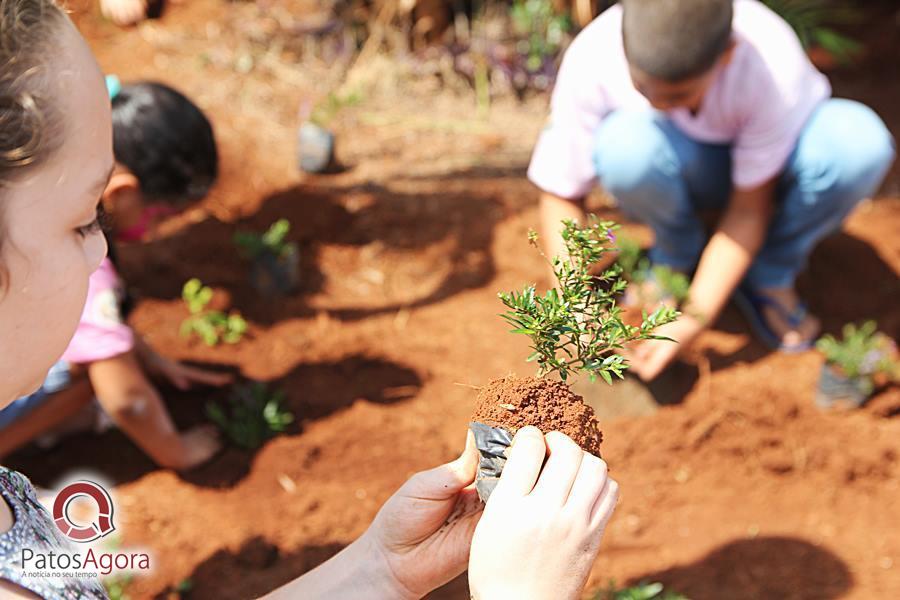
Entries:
{"x":577,"y":326}
{"x":814,"y":22}
{"x":273,"y":241}
{"x":863,"y":351}
{"x":642,"y":591}
{"x":212,"y":326}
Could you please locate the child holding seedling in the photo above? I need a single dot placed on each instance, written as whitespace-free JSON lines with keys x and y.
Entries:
{"x":537,"y":536}
{"x":165,"y":152}
{"x":678,"y":107}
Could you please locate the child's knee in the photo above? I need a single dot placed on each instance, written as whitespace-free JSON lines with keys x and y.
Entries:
{"x":857,"y":150}
{"x":631,"y":152}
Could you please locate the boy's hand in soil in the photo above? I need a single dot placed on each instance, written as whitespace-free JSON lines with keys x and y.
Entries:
{"x":541,"y":529}
{"x":649,"y":358}
{"x":180,"y":375}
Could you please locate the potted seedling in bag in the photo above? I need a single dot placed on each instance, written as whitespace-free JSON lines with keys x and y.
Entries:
{"x":574,"y":328}
{"x":315,"y":140}
{"x":211,"y":326}
{"x":275,"y":263}
{"x":253,"y":415}
{"x":855,"y":364}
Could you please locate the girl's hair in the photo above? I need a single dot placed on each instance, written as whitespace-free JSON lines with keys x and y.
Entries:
{"x":164,"y":140}
{"x":29,"y":120}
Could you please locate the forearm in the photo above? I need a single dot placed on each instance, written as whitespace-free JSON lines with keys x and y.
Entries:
{"x":553,"y":211}
{"x":357,"y":571}
{"x":730,"y":252}
{"x":135,"y":406}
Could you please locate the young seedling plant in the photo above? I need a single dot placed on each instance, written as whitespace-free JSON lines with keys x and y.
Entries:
{"x":577,"y":326}
{"x":276,"y":261}
{"x":253,"y":415}
{"x":212,"y":326}
{"x":854,"y":363}
{"x":273,"y":241}
{"x":641,"y":591}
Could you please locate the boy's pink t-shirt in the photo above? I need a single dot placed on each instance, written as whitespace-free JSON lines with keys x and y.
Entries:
{"x":758,"y":103}
{"x":102,"y":333}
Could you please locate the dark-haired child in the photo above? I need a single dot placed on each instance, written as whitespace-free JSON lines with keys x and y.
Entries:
{"x":681,"y":106}
{"x":165,"y":153}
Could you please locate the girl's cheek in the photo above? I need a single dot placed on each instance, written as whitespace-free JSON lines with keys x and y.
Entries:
{"x":94,"y":250}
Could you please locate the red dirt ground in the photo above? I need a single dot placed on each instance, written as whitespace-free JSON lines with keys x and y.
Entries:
{"x":742,"y":491}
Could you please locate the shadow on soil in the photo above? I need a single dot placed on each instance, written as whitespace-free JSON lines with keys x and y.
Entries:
{"x":765,"y":567}
{"x":256,"y":568}
{"x":382,"y":226}
{"x":313,"y":391}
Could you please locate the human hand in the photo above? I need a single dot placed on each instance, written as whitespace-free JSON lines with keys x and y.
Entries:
{"x":183,"y":376}
{"x":649,"y":358}
{"x":541,"y":529}
{"x":423,"y":533}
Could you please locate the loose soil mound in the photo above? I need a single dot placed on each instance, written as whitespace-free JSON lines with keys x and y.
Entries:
{"x":514,"y":402}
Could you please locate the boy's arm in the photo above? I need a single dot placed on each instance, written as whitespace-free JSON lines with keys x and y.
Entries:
{"x":553,"y":210}
{"x":731,"y":250}
{"x":725,"y":260}
{"x":135,"y":406}
{"x":180,"y":375}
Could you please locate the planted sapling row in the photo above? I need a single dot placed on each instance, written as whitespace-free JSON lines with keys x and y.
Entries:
{"x":574,"y":328}
{"x":211,"y":326}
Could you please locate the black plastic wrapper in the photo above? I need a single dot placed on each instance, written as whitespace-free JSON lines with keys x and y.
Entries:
{"x":492,"y":443}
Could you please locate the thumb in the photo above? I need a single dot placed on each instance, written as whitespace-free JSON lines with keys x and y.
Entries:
{"x":447,"y":480}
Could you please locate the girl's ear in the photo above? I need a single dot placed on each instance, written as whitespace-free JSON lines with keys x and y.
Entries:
{"x":123,"y":188}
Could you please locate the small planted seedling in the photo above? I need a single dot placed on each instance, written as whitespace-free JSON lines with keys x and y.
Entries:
{"x":854,"y":364}
{"x":641,"y":591}
{"x":212,"y":326}
{"x":253,"y":415}
{"x":315,"y":140}
{"x":574,"y":328}
{"x":276,"y":261}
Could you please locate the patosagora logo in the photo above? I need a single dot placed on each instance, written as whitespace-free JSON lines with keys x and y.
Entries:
{"x":92,"y":531}
{"x":83,"y":512}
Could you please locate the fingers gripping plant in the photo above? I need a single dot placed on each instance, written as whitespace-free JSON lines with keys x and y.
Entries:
{"x":212,"y":326}
{"x":577,"y":326}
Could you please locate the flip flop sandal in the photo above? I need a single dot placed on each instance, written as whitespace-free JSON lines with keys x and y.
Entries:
{"x":751,"y":304}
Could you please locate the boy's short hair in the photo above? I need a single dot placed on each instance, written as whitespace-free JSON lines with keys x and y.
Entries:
{"x":165,"y":141}
{"x":676,"y":40}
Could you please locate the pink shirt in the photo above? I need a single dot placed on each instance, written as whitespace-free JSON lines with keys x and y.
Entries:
{"x":758,"y":103}
{"x":101,"y":334}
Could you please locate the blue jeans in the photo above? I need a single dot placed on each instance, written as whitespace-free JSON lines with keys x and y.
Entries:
{"x":663,"y":178}
{"x":57,"y":379}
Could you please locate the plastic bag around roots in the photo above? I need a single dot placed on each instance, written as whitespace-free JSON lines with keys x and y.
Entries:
{"x":492,"y":443}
